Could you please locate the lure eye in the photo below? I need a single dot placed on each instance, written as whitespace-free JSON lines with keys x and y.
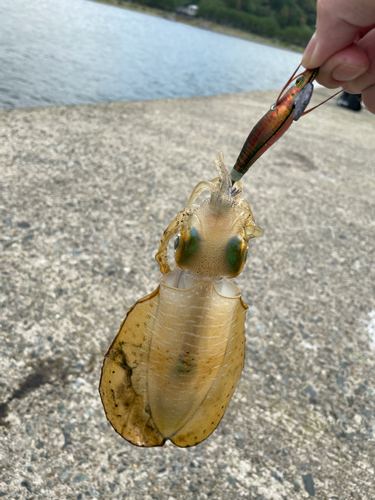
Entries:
{"x":236,"y":254}
{"x":299,"y":80}
{"x":187,"y":245}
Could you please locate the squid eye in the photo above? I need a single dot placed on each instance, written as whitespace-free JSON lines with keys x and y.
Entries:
{"x":187,"y":246}
{"x":236,"y":254}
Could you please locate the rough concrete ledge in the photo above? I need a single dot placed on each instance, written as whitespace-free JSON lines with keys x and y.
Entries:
{"x":86,"y":192}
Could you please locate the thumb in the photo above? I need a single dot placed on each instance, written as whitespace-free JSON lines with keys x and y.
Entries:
{"x":339,"y":24}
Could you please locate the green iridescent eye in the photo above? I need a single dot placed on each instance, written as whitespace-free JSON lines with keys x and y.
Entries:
{"x":236,"y":254}
{"x":188,"y":246}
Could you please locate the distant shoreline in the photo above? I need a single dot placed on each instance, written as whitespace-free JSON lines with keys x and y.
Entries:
{"x":200,"y":23}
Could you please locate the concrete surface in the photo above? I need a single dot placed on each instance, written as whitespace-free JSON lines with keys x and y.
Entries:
{"x":86,"y":192}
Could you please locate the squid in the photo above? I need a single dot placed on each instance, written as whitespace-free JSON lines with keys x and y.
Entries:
{"x":172,"y":369}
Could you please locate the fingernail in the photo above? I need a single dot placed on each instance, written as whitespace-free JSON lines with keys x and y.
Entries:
{"x":309,"y":52}
{"x":345,"y":72}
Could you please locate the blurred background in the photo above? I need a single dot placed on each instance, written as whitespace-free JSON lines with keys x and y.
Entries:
{"x":78,"y":51}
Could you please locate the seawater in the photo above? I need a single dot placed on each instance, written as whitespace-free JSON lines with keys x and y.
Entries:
{"x":55,"y":52}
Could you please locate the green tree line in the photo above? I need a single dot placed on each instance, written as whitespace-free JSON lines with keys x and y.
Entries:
{"x":288,"y":20}
{"x":291,"y":21}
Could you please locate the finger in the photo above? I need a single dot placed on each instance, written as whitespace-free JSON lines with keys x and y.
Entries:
{"x":367,"y":44}
{"x":348,"y":64}
{"x":360,"y":84}
{"x":368,"y":98}
{"x":339,"y":23}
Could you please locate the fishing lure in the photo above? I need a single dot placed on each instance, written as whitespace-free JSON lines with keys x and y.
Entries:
{"x":172,"y":369}
{"x":287,"y":109}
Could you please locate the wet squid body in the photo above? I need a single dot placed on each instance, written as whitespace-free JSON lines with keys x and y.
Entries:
{"x":172,"y":369}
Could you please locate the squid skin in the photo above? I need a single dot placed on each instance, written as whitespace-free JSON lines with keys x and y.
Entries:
{"x":173,"y":367}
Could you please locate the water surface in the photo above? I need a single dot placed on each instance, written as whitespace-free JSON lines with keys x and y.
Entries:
{"x":76,"y":51}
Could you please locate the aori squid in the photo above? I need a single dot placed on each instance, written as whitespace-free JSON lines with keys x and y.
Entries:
{"x":172,"y":369}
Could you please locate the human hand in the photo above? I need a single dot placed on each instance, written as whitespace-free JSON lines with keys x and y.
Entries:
{"x":343,"y":47}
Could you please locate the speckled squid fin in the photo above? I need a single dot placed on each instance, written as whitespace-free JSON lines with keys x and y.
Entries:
{"x":210,"y":412}
{"x":123,"y":383}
